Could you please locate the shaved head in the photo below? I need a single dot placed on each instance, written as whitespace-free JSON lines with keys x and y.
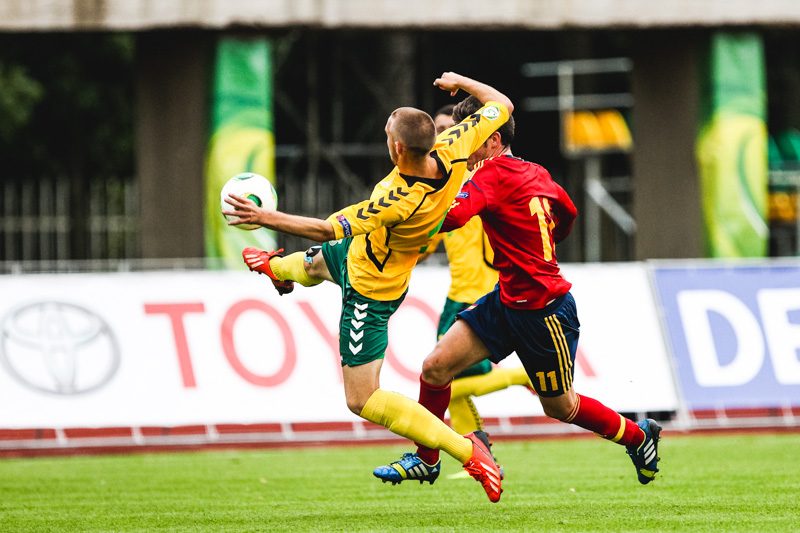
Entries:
{"x":413,"y":128}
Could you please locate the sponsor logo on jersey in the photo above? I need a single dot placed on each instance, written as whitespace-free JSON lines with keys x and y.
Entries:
{"x":462,"y":194}
{"x":348,"y":230}
{"x":491,"y":112}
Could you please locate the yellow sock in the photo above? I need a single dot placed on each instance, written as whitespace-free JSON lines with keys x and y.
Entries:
{"x":464,"y":416}
{"x":291,"y":268}
{"x":518,"y":376}
{"x":407,"y":418}
{"x":497,"y":379}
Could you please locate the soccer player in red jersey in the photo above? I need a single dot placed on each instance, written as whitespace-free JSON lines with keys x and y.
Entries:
{"x":531,"y":311}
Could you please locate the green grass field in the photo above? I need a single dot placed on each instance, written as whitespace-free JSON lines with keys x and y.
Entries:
{"x":707,"y":483}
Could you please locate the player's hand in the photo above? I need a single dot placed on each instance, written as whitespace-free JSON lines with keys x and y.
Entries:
{"x":245,"y":211}
{"x":449,"y":81}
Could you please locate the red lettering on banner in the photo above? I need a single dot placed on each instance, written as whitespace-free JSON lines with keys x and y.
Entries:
{"x":228,"y":347}
{"x":394,"y":361}
{"x":331,"y":339}
{"x":175,"y":312}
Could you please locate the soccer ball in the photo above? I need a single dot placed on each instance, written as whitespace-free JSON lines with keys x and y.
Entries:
{"x":252,"y":186}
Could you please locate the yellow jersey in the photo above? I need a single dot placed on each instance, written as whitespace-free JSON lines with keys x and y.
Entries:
{"x":470,"y":257}
{"x":404,"y":212}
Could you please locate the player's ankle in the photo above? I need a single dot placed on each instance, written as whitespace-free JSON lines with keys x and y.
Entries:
{"x":428,"y":456}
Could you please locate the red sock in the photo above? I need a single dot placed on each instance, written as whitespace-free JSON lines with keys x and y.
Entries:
{"x":594,"y":416}
{"x":434,"y":399}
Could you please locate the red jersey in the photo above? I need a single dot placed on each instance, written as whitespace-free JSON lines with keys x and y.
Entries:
{"x":524,"y":213}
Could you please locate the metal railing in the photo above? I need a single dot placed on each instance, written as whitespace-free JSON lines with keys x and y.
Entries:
{"x":51,"y":220}
{"x":787,"y":180}
{"x":598,"y":196}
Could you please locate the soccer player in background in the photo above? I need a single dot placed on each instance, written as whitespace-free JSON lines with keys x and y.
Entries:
{"x":369,"y":250}
{"x":471,"y":276}
{"x":525,"y":213}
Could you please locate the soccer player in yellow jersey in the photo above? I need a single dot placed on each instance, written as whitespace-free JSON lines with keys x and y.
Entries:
{"x":369,"y":250}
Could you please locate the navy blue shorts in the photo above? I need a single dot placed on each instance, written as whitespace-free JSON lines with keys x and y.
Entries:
{"x":545,"y":339}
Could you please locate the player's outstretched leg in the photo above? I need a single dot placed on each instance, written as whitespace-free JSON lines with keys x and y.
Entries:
{"x":410,"y":466}
{"x":645,"y":457}
{"x":258,"y":261}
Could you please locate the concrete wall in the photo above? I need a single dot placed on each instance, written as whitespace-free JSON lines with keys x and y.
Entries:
{"x":171,"y":121}
{"x":50,"y":15}
{"x":666,"y":89}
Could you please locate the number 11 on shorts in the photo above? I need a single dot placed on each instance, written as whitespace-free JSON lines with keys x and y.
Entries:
{"x":540,"y":376}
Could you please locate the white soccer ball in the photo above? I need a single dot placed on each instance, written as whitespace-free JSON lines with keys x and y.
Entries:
{"x":252,"y":186}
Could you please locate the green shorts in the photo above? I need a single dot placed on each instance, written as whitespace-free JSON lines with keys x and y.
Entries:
{"x":446,"y":320}
{"x":364,"y":322}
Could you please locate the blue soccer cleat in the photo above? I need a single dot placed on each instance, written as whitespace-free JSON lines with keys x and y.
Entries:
{"x":410,"y":466}
{"x":645,"y":458}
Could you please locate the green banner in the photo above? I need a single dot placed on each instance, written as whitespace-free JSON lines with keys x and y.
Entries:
{"x":241,"y":140}
{"x":732,"y":147}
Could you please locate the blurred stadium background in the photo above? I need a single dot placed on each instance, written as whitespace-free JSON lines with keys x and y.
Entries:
{"x":126,"y":320}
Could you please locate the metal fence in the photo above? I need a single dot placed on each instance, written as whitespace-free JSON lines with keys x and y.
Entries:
{"x":53,"y":220}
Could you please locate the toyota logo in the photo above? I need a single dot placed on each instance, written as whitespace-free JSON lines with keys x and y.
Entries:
{"x":58,"y":348}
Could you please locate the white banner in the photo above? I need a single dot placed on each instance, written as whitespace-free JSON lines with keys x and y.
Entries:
{"x":176,"y":348}
{"x":622,"y":357}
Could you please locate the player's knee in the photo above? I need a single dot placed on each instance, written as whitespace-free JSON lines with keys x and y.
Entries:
{"x":434,"y":373}
{"x":356,"y":400}
{"x":355,"y":405}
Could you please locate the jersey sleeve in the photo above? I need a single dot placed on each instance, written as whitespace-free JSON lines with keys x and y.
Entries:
{"x":458,"y":142}
{"x":565,"y":213}
{"x":468,"y":203}
{"x":392,"y":208}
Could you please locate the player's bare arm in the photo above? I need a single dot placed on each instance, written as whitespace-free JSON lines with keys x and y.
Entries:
{"x":248,"y":212}
{"x":450,"y":81}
